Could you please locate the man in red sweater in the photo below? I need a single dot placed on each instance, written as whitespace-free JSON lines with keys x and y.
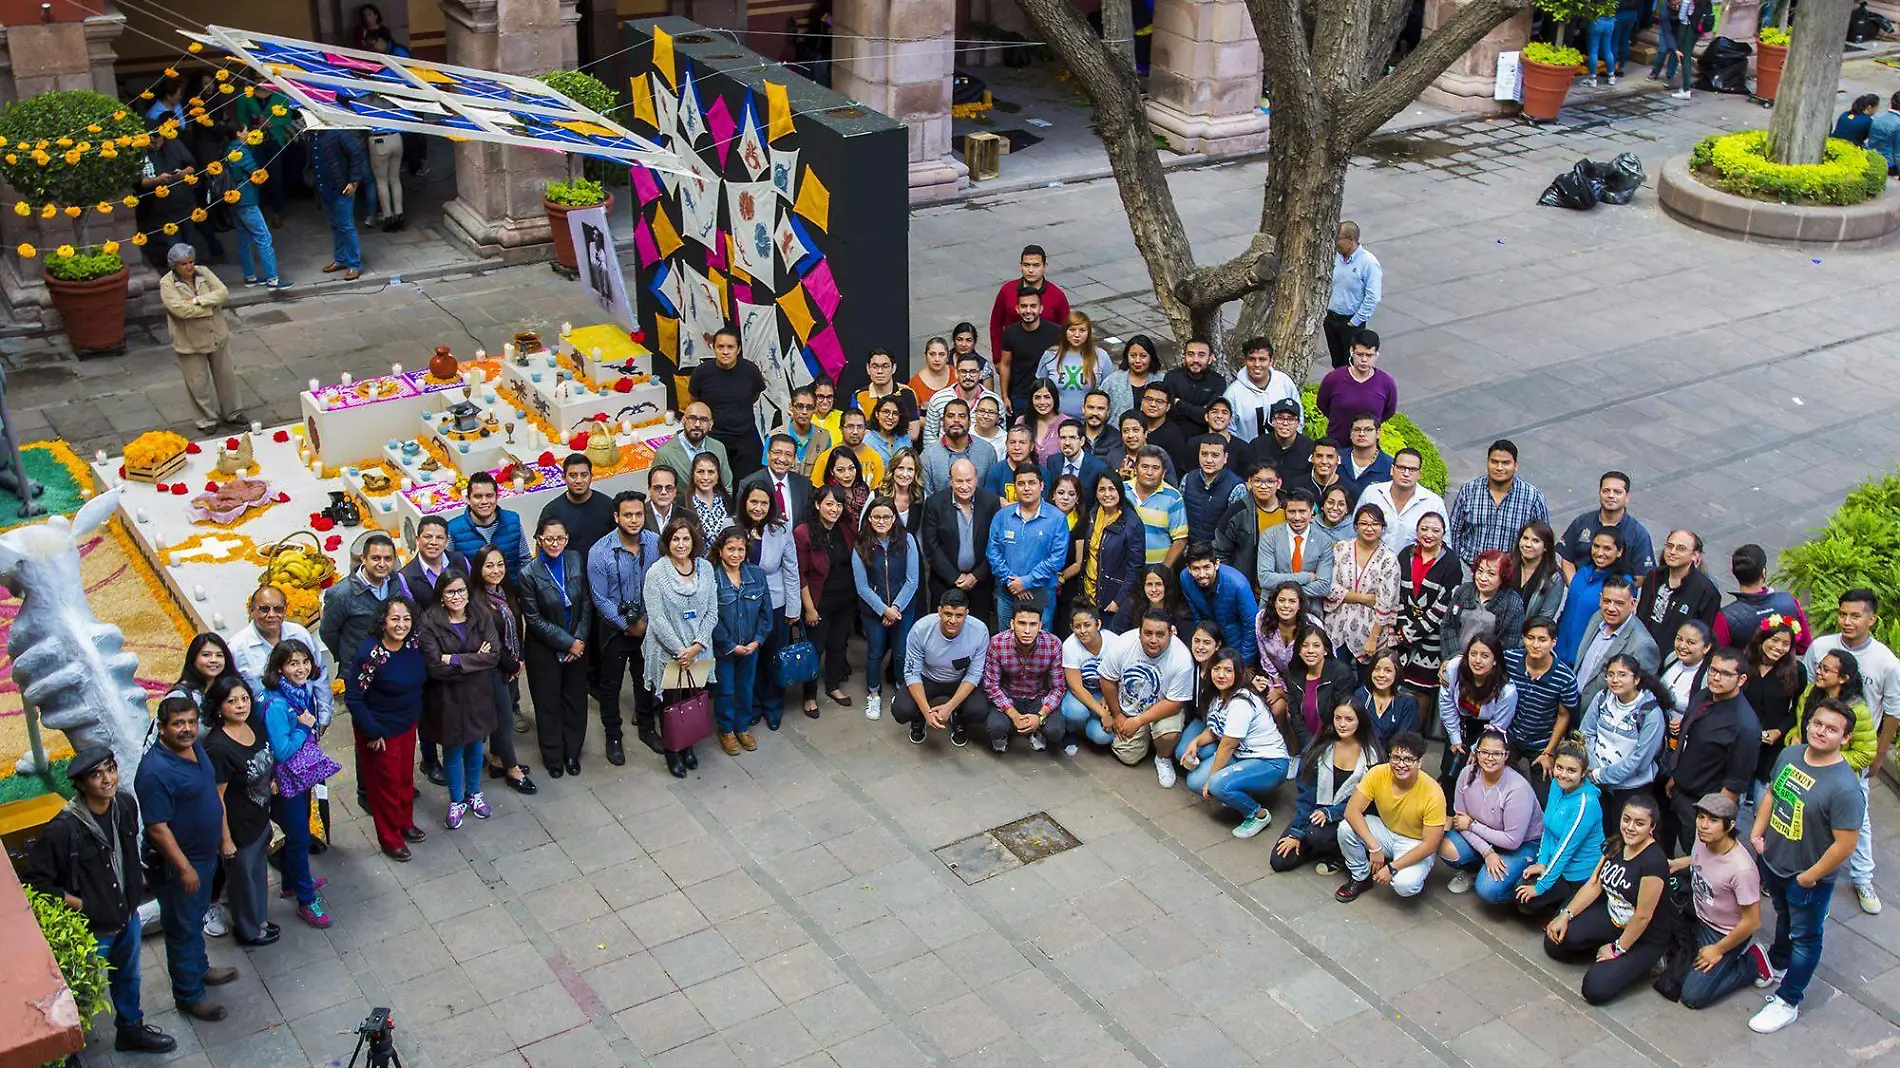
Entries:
{"x":1055,"y":305}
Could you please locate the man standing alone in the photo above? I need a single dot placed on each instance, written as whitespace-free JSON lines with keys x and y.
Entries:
{"x":1358,"y":283}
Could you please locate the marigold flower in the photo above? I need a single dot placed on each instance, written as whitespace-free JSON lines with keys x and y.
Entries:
{"x":63,"y":250}
{"x":26,"y":251}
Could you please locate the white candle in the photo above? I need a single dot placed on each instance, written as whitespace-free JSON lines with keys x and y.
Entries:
{"x":481,"y":354}
{"x":408,"y":484}
{"x":100,"y":456}
{"x":596,"y":355}
{"x":316,"y":468}
{"x":197,"y":593}
{"x":566,"y":329}
{"x":395,"y":368}
{"x":217,"y":620}
{"x":158,"y":542}
{"x":257,"y":428}
{"x":670,"y":417}
{"x":508,"y":350}
{"x":142,"y":517}
{"x":346,"y":378}
{"x":520,"y":483}
{"x":315,"y":385}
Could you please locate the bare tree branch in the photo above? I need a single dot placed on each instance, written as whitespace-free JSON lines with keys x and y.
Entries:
{"x":1369,"y":108}
{"x":1118,"y":31}
{"x":1216,"y":285}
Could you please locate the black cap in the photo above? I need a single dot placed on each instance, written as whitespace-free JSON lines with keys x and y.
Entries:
{"x":1284,"y":406}
{"x":86,"y":760}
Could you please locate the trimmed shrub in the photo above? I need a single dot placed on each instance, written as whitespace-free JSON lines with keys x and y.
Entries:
{"x":1738,"y":163}
{"x":1859,"y":546}
{"x":575,"y":193}
{"x":83,"y":266}
{"x":71,"y":174}
{"x":76,"y":950}
{"x":1397,"y":433}
{"x":1552,"y":55}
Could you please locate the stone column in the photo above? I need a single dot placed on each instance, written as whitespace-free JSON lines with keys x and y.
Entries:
{"x":1468,"y":85}
{"x":1204,"y":78}
{"x":908,"y":81}
{"x":497,"y":206}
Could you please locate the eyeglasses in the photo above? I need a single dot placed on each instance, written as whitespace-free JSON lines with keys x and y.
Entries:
{"x":269,"y":609}
{"x":446,"y":594}
{"x":801,"y":406}
{"x":1725,"y":673}
{"x":1410,"y":469}
{"x":1404,"y":760}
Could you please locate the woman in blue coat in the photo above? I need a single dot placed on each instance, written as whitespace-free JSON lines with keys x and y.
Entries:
{"x":1110,"y":548}
{"x":745,"y":620}
{"x":884,"y":568}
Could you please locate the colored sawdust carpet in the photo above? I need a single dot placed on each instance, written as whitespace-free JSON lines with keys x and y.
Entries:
{"x":120,"y":586}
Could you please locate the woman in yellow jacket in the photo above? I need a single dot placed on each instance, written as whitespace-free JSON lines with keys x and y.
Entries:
{"x":1837,"y":675}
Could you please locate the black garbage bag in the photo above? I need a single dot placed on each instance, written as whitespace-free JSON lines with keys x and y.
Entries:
{"x":1622,"y":177}
{"x":1579,"y":189}
{"x":1723,"y":67}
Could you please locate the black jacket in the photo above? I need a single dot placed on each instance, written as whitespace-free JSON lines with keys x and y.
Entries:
{"x":1720,"y":743}
{"x":71,"y":857}
{"x":418,"y":583}
{"x":1697,"y":599}
{"x":1336,"y":684}
{"x":1237,"y":536}
{"x":1191,"y":398}
{"x":937,"y":538}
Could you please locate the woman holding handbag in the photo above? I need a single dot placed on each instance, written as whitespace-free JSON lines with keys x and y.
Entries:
{"x":771,"y":547}
{"x":494,"y":596}
{"x":745,"y":618}
{"x":558,"y":613}
{"x":682,"y":612}
{"x":462,"y":651}
{"x":292,"y":725}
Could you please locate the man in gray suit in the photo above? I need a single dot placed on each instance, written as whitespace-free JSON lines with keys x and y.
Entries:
{"x":1613,"y":630}
{"x":1296,"y":551}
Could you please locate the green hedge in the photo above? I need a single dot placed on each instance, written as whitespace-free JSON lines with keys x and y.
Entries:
{"x":76,"y":950}
{"x":1738,"y":163}
{"x":1399,"y":432}
{"x":1859,"y":546}
{"x":70,"y":115}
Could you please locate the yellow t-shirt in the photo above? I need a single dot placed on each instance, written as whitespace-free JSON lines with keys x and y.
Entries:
{"x":1409,"y":813}
{"x":1264,"y":521}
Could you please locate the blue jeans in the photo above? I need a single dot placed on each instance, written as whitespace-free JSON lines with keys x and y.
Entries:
{"x":1242,"y":784}
{"x":183,"y":917}
{"x":463,"y":766}
{"x":344,"y":248}
{"x":882,"y":641}
{"x":1625,"y":30}
{"x":1495,"y":891}
{"x":255,"y":254}
{"x":732,"y":691}
{"x":1734,"y":971}
{"x":1077,"y":715}
{"x":1196,"y":778}
{"x":1603,"y":44}
{"x":121,"y":952}
{"x":1006,"y":607}
{"x":293,"y":815}
{"x":1665,"y":65}
{"x":1800,"y":921}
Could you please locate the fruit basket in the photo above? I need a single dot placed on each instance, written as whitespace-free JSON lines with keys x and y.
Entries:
{"x":301,"y":571}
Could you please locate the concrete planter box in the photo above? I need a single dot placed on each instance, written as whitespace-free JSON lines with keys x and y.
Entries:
{"x":1684,"y":196}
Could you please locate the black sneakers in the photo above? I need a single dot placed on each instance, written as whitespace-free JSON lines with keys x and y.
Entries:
{"x":959,"y":735}
{"x":144,"y":1039}
{"x":917,"y":731}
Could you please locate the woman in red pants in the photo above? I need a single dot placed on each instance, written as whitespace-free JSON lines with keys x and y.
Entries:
{"x":383,"y":689}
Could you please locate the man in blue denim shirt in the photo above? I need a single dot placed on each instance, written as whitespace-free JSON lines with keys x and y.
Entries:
{"x":1028,"y":546}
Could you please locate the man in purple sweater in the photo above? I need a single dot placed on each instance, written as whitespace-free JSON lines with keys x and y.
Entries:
{"x":1359,"y":387}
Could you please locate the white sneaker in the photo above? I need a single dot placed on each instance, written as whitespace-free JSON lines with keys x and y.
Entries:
{"x":1773,"y":1016}
{"x":1612,"y":79}
{"x":873,"y":707}
{"x":1164,"y":771}
{"x":1869,"y":900}
{"x":1071,"y":749}
{"x":1591,"y":82}
{"x":149,"y":919}
{"x":1036,"y":742}
{"x":1680,"y":94}
{"x":1460,"y":883}
{"x":217,"y":922}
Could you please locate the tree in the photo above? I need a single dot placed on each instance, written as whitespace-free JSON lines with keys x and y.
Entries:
{"x":1804,"y":105}
{"x":1323,"y":61}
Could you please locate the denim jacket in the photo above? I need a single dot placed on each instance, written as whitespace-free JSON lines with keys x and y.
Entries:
{"x":745,"y":610}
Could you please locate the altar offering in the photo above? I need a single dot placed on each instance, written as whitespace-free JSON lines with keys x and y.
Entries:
{"x":231,"y":502}
{"x":154,"y":456}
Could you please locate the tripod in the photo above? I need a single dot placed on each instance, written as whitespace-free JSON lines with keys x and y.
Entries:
{"x":378,"y":1033}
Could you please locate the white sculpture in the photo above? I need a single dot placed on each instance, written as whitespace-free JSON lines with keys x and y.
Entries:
{"x":72,"y":668}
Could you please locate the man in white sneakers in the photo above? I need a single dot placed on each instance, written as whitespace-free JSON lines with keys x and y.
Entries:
{"x":1146,"y":683}
{"x":1857,"y":613}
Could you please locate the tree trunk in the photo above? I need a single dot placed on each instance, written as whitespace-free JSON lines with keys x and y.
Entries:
{"x":1804,"y":106}
{"x":1118,"y":31}
{"x":1310,"y":194}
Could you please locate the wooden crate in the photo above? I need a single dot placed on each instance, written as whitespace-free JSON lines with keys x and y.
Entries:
{"x":982,"y":153}
{"x":159,"y":473}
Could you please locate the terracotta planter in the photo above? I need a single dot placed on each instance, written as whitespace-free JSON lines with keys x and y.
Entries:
{"x":1768,"y":63}
{"x":93,"y":311}
{"x":564,"y":241}
{"x":1545,"y":86}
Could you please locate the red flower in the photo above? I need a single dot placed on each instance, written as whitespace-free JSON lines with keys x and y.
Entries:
{"x":211,"y":487}
{"x":638,"y":337}
{"x":625,"y":385}
{"x":192,"y":449}
{"x":283,"y":498}
{"x":578,"y":441}
{"x":314,"y":516}
{"x":179,"y":489}
{"x":230,"y":443}
{"x":121,"y":470}
{"x":328,"y":580}
{"x":544,"y":458}
{"x":281,"y":436}
{"x":322,"y":523}
{"x":333,"y":543}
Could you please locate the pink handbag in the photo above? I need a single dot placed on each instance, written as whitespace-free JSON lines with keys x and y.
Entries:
{"x":688,"y":720}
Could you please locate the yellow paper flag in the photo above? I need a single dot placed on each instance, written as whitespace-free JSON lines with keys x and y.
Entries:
{"x":778,"y":109}
{"x":669,"y":340}
{"x":814,"y":201}
{"x":725,"y":295}
{"x":798,"y":313}
{"x":643,"y":102}
{"x":663,"y":56}
{"x":664,"y":236}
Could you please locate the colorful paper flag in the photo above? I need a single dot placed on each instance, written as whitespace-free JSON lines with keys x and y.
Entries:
{"x":778,"y":109}
{"x":668,"y":329}
{"x":643,"y":243}
{"x":667,"y":238}
{"x":642,"y":97}
{"x":814,"y":200}
{"x":824,"y":289}
{"x":752,"y":153}
{"x":644,"y":185}
{"x":663,"y":55}
{"x":798,"y":313}
{"x":719,"y":122}
{"x":830,"y":354}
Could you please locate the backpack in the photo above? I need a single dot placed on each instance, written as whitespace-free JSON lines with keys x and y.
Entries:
{"x":1678,"y":897}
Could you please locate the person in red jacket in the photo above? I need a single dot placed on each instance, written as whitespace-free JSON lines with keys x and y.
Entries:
{"x":1055,"y":304}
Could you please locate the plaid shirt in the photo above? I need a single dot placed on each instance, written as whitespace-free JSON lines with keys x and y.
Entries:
{"x":1015,"y":679}
{"x":1479,"y":523}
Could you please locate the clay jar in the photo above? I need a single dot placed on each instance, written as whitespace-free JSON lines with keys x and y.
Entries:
{"x":442,"y":365}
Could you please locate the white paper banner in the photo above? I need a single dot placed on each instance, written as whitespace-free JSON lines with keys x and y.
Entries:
{"x":600,"y":275}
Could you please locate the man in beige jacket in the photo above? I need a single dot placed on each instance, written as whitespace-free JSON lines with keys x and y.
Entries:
{"x":194,"y":310}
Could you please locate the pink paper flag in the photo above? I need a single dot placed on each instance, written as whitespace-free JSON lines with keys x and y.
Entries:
{"x":741,"y":294}
{"x":643,"y":243}
{"x":824,"y":289}
{"x":719,"y":122}
{"x":716,"y":252}
{"x":351,"y":63}
{"x":644,"y":185}
{"x":825,"y":346}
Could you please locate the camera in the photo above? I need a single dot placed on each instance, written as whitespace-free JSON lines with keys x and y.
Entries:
{"x":633,"y":611}
{"x":377,"y":1032}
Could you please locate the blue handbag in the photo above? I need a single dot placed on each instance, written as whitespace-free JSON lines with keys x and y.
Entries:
{"x":797,"y":663}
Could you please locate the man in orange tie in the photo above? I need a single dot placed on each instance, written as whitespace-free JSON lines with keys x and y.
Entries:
{"x":1297,"y":550}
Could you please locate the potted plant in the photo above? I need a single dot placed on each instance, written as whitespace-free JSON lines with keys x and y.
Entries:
{"x":1771,"y":54}
{"x":559,"y":198}
{"x":88,"y":289}
{"x":1548,"y":71}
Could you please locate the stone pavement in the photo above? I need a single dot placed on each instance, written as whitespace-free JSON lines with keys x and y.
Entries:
{"x":785,"y":908}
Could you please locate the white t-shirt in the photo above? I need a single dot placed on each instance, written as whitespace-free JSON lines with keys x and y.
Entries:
{"x":1143,"y":680}
{"x":1243,"y":716}
{"x":1879,"y":672}
{"x":1087,"y":664}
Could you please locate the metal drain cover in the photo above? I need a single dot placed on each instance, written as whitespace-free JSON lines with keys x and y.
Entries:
{"x":1005,"y":848}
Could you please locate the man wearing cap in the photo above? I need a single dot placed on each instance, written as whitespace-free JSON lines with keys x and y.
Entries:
{"x":88,"y":856}
{"x":184,"y":822}
{"x":1727,"y":892}
{"x":1285,"y":447}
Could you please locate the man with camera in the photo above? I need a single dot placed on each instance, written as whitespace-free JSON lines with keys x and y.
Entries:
{"x":616,"y":579}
